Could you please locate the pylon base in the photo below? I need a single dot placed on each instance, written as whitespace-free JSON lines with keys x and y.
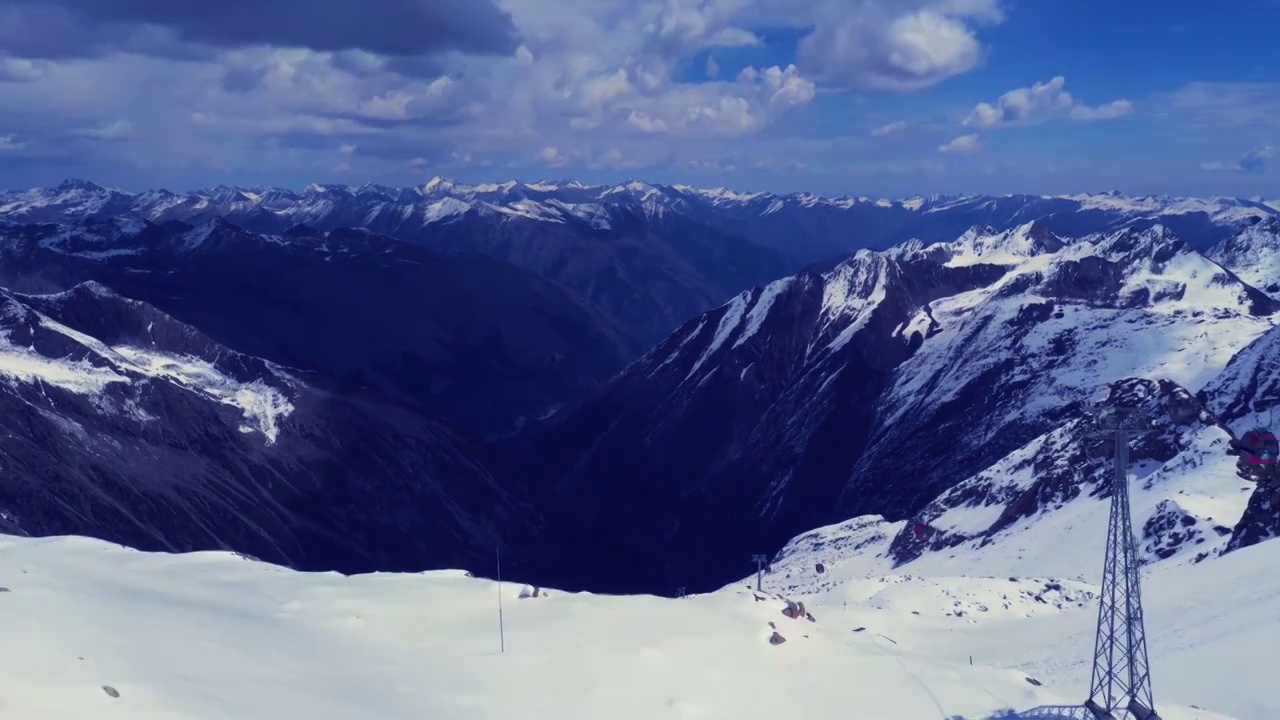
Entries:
{"x":1089,"y":711}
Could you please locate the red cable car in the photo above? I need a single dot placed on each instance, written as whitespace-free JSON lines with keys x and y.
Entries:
{"x":1258,"y":451}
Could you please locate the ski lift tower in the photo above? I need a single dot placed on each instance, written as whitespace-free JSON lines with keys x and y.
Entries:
{"x":1121,"y":687}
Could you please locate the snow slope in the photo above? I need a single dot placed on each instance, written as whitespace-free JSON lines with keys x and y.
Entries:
{"x":95,"y":630}
{"x":1211,"y":626}
{"x":1005,"y":567}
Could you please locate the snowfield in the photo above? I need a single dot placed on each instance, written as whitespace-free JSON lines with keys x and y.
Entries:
{"x":213,"y":635}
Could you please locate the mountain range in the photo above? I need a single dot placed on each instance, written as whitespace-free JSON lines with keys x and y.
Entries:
{"x":666,"y":378}
{"x":648,"y":256}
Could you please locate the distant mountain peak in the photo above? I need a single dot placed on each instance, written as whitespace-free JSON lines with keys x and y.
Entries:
{"x":437,"y":184}
{"x":78,"y":184}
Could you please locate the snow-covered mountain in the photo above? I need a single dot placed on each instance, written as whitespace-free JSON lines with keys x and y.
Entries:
{"x":1253,"y":253}
{"x":476,"y":340}
{"x":122,"y":423}
{"x":880,"y":384}
{"x":649,"y":256}
{"x":815,"y":226}
{"x":634,"y":252}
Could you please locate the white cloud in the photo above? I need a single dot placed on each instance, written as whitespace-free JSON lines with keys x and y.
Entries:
{"x":21,"y":70}
{"x":584,"y":74}
{"x":1109,"y":111}
{"x":896,"y":44}
{"x":1257,"y":160}
{"x":962,"y":144}
{"x":348,"y":149}
{"x":551,"y":156}
{"x":615,"y":159}
{"x":392,"y":105}
{"x":9,"y":143}
{"x":892,"y":128}
{"x":116,"y":130}
{"x":1042,"y":102}
{"x":1230,"y":104}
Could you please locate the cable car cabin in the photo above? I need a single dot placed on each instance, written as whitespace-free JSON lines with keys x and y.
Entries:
{"x":1258,"y":450}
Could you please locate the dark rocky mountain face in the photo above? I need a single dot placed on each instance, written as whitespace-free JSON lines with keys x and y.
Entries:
{"x":466,"y":337}
{"x":873,"y":388}
{"x":122,"y":423}
{"x":648,"y":273}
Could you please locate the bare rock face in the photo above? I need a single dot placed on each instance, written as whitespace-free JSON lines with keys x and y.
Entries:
{"x":1172,"y":527}
{"x":776,"y":639}
{"x":1261,"y":520}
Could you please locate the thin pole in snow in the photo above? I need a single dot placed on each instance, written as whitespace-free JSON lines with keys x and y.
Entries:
{"x":759,"y":560}
{"x":502,"y":635}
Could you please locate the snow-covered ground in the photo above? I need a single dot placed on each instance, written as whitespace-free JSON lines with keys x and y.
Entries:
{"x":1212,"y":626}
{"x":213,"y":636}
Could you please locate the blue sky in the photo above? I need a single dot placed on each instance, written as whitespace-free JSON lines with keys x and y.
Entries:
{"x":996,"y":96}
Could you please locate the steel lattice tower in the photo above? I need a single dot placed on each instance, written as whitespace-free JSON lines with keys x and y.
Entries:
{"x":1121,"y":686}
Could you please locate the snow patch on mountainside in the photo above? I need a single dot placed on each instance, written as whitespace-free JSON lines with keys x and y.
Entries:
{"x":263,"y":406}
{"x":25,"y":365}
{"x":851,"y":293}
{"x":760,"y":309}
{"x":733,"y":315}
{"x":91,"y":366}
